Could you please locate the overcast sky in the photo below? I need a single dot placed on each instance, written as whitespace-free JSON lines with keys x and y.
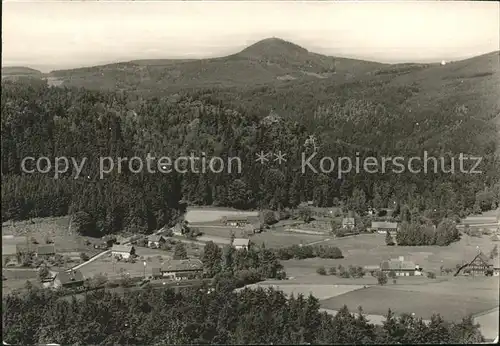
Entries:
{"x":50,"y":35}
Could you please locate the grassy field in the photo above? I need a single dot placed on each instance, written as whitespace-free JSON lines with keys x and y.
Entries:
{"x":56,"y":228}
{"x":370,"y":249}
{"x":453,"y":299}
{"x":113,"y":269}
{"x":320,"y":291}
{"x":198,"y":214}
{"x":276,"y":239}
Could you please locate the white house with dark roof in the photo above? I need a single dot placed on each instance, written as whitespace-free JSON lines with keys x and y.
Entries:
{"x":241,"y":243}
{"x":179,"y":269}
{"x":122,"y":251}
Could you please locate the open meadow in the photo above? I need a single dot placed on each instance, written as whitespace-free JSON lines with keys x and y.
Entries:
{"x":115,"y":269}
{"x":370,"y":249}
{"x":209,"y":214}
{"x":453,"y":299}
{"x":57,"y":229}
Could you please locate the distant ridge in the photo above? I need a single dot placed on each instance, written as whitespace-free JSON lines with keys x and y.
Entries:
{"x":19,"y":70}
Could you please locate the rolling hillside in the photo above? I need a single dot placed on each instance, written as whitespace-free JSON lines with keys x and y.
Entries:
{"x":270,"y":61}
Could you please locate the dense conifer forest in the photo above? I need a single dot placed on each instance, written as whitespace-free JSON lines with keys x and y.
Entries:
{"x":38,"y":120}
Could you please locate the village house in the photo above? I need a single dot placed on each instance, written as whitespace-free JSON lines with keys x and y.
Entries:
{"x":122,"y":251}
{"x":235,"y":220}
{"x":382,"y":227}
{"x":401,"y":267}
{"x":348,"y":223}
{"x":179,"y":269}
{"x":45,"y":251}
{"x":71,"y":279}
{"x":241,"y":243}
{"x":177,"y":229}
{"x":156,"y":240}
{"x":480,"y":265}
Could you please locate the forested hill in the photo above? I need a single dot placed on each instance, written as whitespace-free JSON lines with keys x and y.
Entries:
{"x":382,"y":111}
{"x":355,"y":121}
{"x":270,"y":61}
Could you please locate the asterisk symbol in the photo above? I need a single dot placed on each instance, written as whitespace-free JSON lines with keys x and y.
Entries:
{"x":280,"y":157}
{"x":262,"y":157}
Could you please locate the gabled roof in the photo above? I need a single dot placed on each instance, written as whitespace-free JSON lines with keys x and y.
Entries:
{"x":121,"y":248}
{"x":182,"y":265}
{"x":155,"y":237}
{"x":241,"y":242}
{"x":482,"y":257}
{"x":384,"y":224}
{"x":48,"y":249}
{"x":70,"y":277}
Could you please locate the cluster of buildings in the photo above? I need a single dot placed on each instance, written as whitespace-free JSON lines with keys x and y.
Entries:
{"x":380,"y":227}
{"x":251,"y":224}
{"x":14,"y":248}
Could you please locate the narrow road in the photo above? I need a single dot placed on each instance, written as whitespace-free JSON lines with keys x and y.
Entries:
{"x":90,"y":260}
{"x":318,"y":242}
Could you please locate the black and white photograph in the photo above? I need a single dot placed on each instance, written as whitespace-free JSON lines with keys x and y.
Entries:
{"x":250,"y":172}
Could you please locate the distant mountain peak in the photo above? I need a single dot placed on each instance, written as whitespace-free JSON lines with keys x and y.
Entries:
{"x":272,"y":47}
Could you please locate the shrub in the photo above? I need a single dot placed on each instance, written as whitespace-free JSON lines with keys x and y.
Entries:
{"x":321,"y":270}
{"x":392,"y":275}
{"x":431,"y":275}
{"x":84,"y":257}
{"x":332,"y":271}
{"x":381,"y":278}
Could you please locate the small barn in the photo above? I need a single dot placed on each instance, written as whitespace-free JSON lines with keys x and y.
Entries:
{"x":382,"y":227}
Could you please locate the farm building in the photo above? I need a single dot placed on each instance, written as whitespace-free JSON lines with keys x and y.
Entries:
{"x":122,"y":251}
{"x":401,"y":267}
{"x":45,"y":251}
{"x":348,"y":222}
{"x":155,"y":240}
{"x":241,"y":243}
{"x":179,"y":269}
{"x":254,"y":227}
{"x":480,"y":265}
{"x":235,"y":220}
{"x":382,"y":227}
{"x":73,"y":278}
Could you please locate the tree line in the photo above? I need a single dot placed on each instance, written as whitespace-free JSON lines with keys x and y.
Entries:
{"x":203,"y":316}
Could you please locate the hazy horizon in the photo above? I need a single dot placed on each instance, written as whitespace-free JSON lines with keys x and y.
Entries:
{"x":60,"y":35}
